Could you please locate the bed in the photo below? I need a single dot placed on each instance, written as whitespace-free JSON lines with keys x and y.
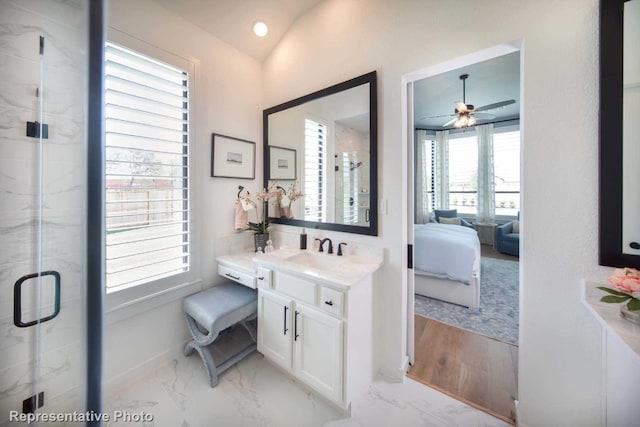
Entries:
{"x":447,"y":263}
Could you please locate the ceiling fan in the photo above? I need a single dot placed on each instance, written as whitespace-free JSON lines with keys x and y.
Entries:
{"x":465,"y":114}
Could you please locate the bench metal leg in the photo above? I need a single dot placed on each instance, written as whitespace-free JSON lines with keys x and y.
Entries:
{"x":214,"y":371}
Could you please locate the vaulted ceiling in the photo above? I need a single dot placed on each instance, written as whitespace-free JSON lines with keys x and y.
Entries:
{"x":232,"y":20}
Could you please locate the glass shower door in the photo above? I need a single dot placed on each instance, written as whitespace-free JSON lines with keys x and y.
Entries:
{"x":43,"y":95}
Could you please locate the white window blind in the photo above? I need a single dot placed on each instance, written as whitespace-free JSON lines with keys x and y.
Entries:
{"x":315,"y":146}
{"x":147,"y":169}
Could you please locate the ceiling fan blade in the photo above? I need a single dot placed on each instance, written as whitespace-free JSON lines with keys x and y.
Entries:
{"x":495,"y":105}
{"x":483,"y":116}
{"x":450,"y":122}
{"x":438,"y":117}
{"x":461,"y":107}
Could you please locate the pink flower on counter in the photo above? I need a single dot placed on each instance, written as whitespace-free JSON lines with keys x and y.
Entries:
{"x":626,"y":280}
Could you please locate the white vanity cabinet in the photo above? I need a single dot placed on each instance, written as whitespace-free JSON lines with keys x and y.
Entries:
{"x":318,"y":331}
{"x":621,"y":364}
{"x":315,"y":316}
{"x":275,"y":333}
{"x":318,"y":351}
{"x":302,"y":340}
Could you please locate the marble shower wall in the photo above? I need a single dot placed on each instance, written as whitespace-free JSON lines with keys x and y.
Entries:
{"x":56,"y":218}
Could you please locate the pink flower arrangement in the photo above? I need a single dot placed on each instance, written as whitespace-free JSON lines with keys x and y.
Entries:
{"x":626,"y":282}
{"x":261,"y":226}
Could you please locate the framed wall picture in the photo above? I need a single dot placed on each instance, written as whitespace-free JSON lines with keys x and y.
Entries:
{"x":282,"y":163}
{"x":232,"y":157}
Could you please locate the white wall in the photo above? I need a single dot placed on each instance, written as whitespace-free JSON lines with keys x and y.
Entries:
{"x":560,"y":358}
{"x":226,"y":91}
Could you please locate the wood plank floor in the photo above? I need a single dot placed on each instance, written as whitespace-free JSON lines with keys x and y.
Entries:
{"x":473,"y":368}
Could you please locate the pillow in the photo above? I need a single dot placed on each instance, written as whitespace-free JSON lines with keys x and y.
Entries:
{"x":516,"y":227}
{"x":446,"y":213}
{"x":454,"y":221}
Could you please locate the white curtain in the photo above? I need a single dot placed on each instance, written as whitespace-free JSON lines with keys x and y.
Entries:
{"x":486,"y":184}
{"x":422,"y":178}
{"x":442,"y":169}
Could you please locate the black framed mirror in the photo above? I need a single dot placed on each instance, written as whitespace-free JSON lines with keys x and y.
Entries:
{"x":325,"y":144}
{"x":619,"y":133}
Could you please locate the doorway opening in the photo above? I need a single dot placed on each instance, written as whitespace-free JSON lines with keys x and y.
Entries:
{"x":464,"y":212}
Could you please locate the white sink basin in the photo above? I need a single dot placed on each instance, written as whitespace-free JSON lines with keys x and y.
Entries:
{"x":316,"y":260}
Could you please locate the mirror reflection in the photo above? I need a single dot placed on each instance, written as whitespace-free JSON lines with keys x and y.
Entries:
{"x":631,"y":129}
{"x":321,"y":145}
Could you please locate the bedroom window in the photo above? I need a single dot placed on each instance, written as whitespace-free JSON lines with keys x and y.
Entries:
{"x":315,"y":148}
{"x":463,"y":174}
{"x":506,"y":155}
{"x":147,"y":171}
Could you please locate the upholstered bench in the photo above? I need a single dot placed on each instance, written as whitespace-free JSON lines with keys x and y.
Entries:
{"x":211,"y":312}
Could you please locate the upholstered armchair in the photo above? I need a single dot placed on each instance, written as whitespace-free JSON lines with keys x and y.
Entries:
{"x":508,"y":238}
{"x":450,"y":213}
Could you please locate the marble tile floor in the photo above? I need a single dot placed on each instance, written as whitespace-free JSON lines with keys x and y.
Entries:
{"x":255,"y":393}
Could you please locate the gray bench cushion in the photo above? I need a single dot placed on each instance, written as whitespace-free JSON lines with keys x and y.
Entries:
{"x":215,"y":310}
{"x":219,"y":307}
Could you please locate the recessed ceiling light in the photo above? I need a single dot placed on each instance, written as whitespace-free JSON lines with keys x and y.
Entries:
{"x":260,"y":29}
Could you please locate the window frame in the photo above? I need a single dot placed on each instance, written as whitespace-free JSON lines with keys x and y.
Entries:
{"x":506,"y":129}
{"x":501,"y":128}
{"x":453,"y":138}
{"x":160,"y":291}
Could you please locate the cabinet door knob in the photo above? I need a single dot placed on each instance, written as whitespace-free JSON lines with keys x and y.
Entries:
{"x":634,"y":245}
{"x":261,"y":278}
{"x":329,"y":302}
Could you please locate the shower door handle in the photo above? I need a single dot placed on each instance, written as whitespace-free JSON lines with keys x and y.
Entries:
{"x":17,"y":299}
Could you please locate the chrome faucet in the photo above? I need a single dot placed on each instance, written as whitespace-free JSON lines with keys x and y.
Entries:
{"x":330,"y":251}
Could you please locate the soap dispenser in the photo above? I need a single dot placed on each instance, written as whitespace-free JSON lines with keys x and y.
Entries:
{"x":303,"y":239}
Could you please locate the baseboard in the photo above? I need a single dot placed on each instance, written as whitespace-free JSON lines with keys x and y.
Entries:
{"x":516,"y":403}
{"x":136,"y":373}
{"x":396,"y":375}
{"x":405,"y":366}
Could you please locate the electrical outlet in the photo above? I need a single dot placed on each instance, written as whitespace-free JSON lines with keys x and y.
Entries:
{"x":29,"y":404}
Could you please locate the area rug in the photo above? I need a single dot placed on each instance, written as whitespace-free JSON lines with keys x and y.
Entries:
{"x":498,"y":314}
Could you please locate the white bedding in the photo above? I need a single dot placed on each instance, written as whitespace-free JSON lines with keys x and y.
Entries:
{"x":447,"y":251}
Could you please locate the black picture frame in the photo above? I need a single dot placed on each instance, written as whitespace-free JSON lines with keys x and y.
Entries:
{"x":239,"y":163}
{"x":283,"y":163}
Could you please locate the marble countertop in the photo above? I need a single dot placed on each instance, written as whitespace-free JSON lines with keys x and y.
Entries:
{"x":242,"y":261}
{"x":352,"y":270}
{"x":609,"y":315}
